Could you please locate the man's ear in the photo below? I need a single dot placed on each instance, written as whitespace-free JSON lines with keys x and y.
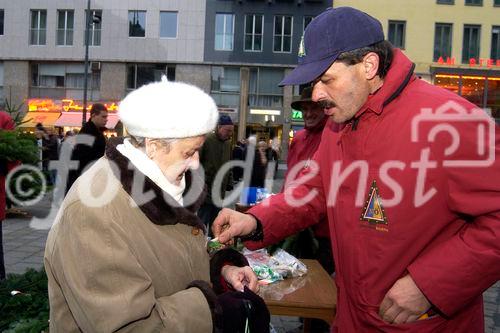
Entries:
{"x":371,"y":63}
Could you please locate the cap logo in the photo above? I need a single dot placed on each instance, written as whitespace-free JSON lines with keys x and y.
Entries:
{"x":302,"y":49}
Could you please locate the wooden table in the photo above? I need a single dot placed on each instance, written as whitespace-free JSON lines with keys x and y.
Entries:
{"x":315,"y":295}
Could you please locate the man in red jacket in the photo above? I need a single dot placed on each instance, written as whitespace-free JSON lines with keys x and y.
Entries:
{"x":6,"y":123}
{"x":408,"y":177}
{"x":304,"y":144}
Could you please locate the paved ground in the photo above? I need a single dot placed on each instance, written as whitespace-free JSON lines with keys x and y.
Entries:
{"x":24,"y":247}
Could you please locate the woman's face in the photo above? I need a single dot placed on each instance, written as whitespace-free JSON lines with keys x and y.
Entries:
{"x":177,"y":157}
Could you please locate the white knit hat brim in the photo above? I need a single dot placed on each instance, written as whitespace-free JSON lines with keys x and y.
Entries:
{"x":168,"y":110}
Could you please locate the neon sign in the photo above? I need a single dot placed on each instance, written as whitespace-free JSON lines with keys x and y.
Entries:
{"x":296,"y":115}
{"x":50,"y":105}
{"x":473,"y":62}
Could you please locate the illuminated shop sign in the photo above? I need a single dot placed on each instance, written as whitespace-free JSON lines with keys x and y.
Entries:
{"x":53,"y":105}
{"x":473,"y":62}
{"x":296,"y":115}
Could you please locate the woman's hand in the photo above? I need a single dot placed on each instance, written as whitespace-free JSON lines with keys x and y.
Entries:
{"x":238,"y":277}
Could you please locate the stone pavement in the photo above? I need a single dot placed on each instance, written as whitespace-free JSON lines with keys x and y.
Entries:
{"x":24,"y":248}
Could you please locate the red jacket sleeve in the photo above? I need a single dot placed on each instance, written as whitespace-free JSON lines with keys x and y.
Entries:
{"x":281,"y":218}
{"x":459,"y":269}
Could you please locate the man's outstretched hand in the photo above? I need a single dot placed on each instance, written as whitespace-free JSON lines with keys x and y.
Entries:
{"x":230,"y":223}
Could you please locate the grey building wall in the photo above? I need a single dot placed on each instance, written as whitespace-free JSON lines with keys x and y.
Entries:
{"x":297,"y":8}
{"x":116,"y":45}
{"x":113,"y":81}
{"x":198,"y":75}
{"x":16,"y":82}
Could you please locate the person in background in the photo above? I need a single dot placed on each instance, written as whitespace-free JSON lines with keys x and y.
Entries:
{"x":215,"y":152}
{"x":415,"y":231}
{"x":239,"y":152}
{"x":86,"y":154}
{"x":136,"y":260}
{"x":6,"y":124}
{"x":304,"y":144}
{"x":50,"y":153}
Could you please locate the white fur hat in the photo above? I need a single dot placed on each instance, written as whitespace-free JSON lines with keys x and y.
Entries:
{"x":168,"y":110}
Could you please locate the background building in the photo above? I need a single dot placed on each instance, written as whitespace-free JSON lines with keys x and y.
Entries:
{"x":249,"y":46}
{"x":42,"y":49}
{"x":236,"y":50}
{"x":455,"y":44}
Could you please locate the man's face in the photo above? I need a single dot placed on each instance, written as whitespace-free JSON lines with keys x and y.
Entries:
{"x":178,"y":157}
{"x":101,"y":119}
{"x":312,"y":114}
{"x":224,"y":132}
{"x":344,"y":89}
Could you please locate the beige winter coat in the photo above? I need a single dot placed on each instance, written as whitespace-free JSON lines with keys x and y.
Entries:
{"x":117,"y":267}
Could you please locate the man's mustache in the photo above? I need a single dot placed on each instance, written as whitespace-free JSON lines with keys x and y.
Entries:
{"x":326,"y":103}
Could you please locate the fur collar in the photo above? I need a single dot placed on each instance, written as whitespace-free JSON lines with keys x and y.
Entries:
{"x":162,"y":209}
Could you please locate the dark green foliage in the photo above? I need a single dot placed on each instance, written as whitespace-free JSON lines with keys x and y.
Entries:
{"x":28,"y":311}
{"x":18,"y":146}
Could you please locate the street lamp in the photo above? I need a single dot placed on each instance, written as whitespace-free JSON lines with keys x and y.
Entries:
{"x":90,"y":19}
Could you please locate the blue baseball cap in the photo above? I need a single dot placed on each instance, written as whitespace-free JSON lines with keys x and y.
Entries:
{"x":331,"y":33}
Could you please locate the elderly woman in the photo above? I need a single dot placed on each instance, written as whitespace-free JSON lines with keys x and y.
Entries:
{"x":127,"y":251}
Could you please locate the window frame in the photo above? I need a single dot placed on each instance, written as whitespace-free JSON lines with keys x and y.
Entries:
{"x":224,"y":33}
{"x":282,"y":35}
{"x":253,"y":34}
{"x":445,"y":2}
{"x":138,"y":11}
{"x":66,"y":29}
{"x":92,"y":28}
{"x":2,"y":22}
{"x":468,"y":3}
{"x":397,"y":23}
{"x":442,"y":25}
{"x":466,"y":60}
{"x":497,"y":52}
{"x":304,"y":25}
{"x":38,"y":28}
{"x":176,"y":23}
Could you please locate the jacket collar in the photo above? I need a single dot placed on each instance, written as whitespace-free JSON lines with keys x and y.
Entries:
{"x":162,"y":209}
{"x":399,"y":75}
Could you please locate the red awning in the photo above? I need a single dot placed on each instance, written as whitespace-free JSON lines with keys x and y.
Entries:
{"x":47,"y":119}
{"x":74,"y":119}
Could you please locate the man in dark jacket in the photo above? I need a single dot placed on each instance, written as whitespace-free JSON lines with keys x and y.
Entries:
{"x":84,"y":153}
{"x":215,"y":152}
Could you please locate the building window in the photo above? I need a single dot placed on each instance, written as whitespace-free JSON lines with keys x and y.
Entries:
{"x":442,"y":41}
{"x":283,"y":34}
{"x":397,"y":33}
{"x":254,"y":28}
{"x":263,"y":87}
{"x":1,"y":21}
{"x":38,"y":27}
{"x":65,"y":22}
{"x":94,"y":27}
{"x":225,"y":87}
{"x":495,"y":42}
{"x":470,"y":47}
{"x":224,"y":32}
{"x":307,"y":20}
{"x":141,"y":74}
{"x":496,"y":3}
{"x":137,"y":23}
{"x":168,"y":24}
{"x":473,"y":2}
{"x":63,"y":80}
{"x":445,"y":2}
